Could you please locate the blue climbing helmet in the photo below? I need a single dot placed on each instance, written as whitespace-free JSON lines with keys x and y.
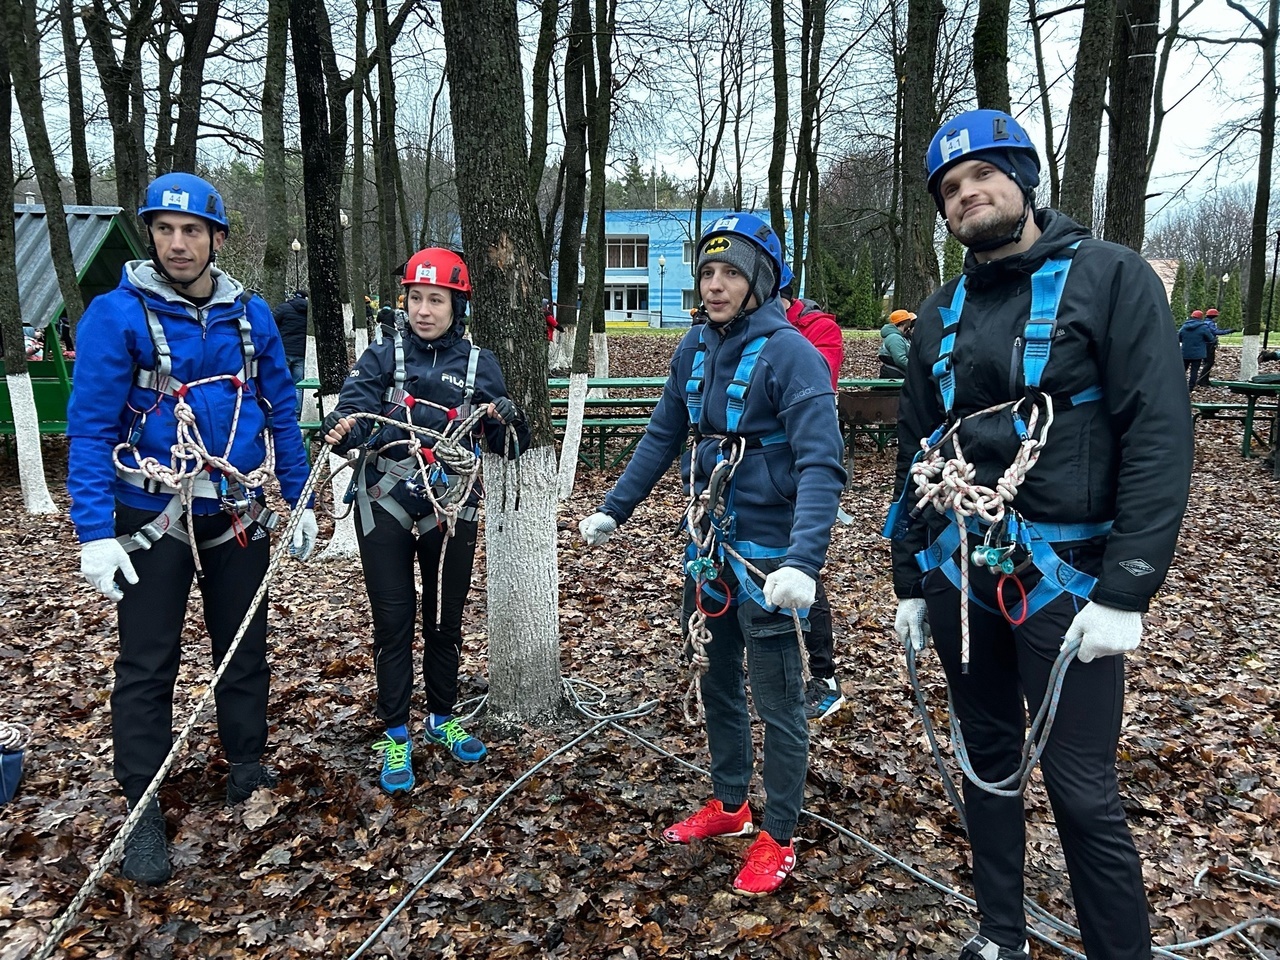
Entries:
{"x":755,"y":231}
{"x":185,"y":193}
{"x":990,"y":135}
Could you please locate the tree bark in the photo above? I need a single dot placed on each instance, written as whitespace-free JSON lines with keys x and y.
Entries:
{"x":1050,"y":157}
{"x":359,"y":283}
{"x":812,"y":30}
{"x":23,"y":41}
{"x":1084,"y":120}
{"x":337,"y":88}
{"x":22,"y":401}
{"x":918,"y":271}
{"x":578,"y":61}
{"x":1133,"y":70}
{"x":122,"y":89}
{"x":197,"y":34}
{"x":386,"y":176}
{"x":991,"y":55}
{"x":778,"y":155}
{"x":81,"y":172}
{"x":1267,"y":34}
{"x":486,"y":96}
{"x":275,"y":200}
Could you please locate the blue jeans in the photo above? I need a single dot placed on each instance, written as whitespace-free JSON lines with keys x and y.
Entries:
{"x":297,"y":370}
{"x":777,"y":689}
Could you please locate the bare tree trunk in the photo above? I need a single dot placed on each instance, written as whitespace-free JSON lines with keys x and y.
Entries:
{"x":991,"y":55}
{"x":1046,"y":108}
{"x":26,"y":423}
{"x":166,"y":67}
{"x":122,"y":89}
{"x":579,"y":62}
{"x":81,"y":173}
{"x":1133,"y":71}
{"x":812,"y":30}
{"x":778,"y":155}
{"x":1262,"y":203}
{"x":197,"y":34}
{"x":274,"y":258}
{"x":919,"y":272}
{"x":337,"y":88}
{"x":358,"y":282}
{"x":23,"y":41}
{"x":1088,"y":91}
{"x":486,"y":95}
{"x":386,"y":146}
{"x":543,"y":54}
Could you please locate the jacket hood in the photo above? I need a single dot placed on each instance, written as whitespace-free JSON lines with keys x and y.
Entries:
{"x":1195,"y":323}
{"x":143,"y":276}
{"x":888,"y":330}
{"x":1057,"y":233}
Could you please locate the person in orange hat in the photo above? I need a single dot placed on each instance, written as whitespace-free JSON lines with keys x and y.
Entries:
{"x":896,"y":343}
{"x":1196,"y":337}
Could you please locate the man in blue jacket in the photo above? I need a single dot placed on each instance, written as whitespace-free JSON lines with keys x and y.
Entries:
{"x":1198,"y":339}
{"x":182,"y":409}
{"x":765,"y":476}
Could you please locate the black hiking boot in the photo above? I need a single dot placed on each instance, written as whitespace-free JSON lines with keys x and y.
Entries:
{"x":246,"y":778}
{"x":146,"y":852}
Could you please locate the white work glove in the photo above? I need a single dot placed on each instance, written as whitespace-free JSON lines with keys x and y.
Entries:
{"x":789,"y":588}
{"x":1104,"y":631}
{"x":911,"y":623}
{"x":304,"y":535}
{"x":597,"y":528}
{"x":99,"y":561}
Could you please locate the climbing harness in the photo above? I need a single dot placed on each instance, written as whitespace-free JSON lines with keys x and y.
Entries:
{"x":1010,"y":543}
{"x":711,"y":523}
{"x":194,"y":471}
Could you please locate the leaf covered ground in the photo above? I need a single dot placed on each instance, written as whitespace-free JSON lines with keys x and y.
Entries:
{"x":569,"y":863}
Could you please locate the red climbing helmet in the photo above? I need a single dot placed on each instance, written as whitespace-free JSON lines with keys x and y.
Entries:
{"x":437,"y":266}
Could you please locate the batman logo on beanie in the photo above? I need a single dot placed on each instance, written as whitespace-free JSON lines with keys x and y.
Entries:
{"x":717,"y":245}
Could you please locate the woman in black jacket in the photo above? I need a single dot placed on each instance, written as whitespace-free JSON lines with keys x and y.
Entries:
{"x":417,"y":496}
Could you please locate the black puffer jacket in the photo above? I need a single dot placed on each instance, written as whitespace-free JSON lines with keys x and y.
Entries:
{"x":1126,"y":457}
{"x":291,"y":320}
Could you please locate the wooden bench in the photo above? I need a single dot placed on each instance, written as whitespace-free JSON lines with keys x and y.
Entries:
{"x":869,"y":413}
{"x":607,"y":442}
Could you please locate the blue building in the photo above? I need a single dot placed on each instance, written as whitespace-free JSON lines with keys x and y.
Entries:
{"x":649,"y":260}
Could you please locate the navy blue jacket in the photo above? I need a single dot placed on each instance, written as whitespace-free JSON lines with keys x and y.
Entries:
{"x":1196,"y":335}
{"x":291,"y":319}
{"x":435,"y":370}
{"x":785,"y":494}
{"x":113,"y":342}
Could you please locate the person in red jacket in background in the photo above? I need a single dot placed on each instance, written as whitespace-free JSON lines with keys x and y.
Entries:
{"x":551,"y":320}
{"x":822,"y":695}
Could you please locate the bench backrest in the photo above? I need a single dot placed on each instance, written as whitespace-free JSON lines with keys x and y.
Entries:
{"x":51,"y":400}
{"x":863,"y":406}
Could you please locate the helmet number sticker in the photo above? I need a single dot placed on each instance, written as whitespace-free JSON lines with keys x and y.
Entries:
{"x":726,"y":223}
{"x":174,"y":198}
{"x":955,"y":146}
{"x":716,"y":245}
{"x":426,"y":273}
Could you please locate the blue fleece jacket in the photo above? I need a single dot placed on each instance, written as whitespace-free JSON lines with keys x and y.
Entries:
{"x":106,"y":405}
{"x":1195,"y":336}
{"x":784,"y":494}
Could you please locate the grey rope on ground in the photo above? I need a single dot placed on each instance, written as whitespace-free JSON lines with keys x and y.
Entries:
{"x":13,"y":736}
{"x":116,"y":846}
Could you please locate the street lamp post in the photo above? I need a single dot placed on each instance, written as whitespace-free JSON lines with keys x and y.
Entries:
{"x":1225,"y":278}
{"x":297,"y":275}
{"x":662,"y":285}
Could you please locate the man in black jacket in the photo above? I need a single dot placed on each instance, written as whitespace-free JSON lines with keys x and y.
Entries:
{"x":291,"y":319}
{"x":1051,"y":368}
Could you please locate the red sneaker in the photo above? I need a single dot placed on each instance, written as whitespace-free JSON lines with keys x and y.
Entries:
{"x":711,"y":821}
{"x":768,"y":864}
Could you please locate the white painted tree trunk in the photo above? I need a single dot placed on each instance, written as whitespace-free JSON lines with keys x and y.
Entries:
{"x":362,"y":341}
{"x":558,"y":358}
{"x":342,"y":545}
{"x":1249,"y":356}
{"x":26,"y":432}
{"x":523,"y":585}
{"x":572,"y":436}
{"x":600,"y":344}
{"x":311,"y":368}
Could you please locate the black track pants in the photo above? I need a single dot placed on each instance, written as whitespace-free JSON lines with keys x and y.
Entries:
{"x":819,"y":641}
{"x":1008,"y":675}
{"x":150,"y":620}
{"x":388,"y":553}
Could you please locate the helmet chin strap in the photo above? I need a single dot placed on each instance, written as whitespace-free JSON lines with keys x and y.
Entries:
{"x":174,"y":281}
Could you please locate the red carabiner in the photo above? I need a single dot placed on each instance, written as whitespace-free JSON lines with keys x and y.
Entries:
{"x":1022,"y":592}
{"x":728,"y":599}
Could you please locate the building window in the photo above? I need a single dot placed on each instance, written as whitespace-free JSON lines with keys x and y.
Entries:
{"x":627,"y":253}
{"x":687,"y":256}
{"x":689,"y":299}
{"x":626,"y":296}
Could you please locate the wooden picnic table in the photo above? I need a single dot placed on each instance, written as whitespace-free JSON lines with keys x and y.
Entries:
{"x":625,"y":383}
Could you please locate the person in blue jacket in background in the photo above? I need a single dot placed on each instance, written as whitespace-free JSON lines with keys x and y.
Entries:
{"x":751,"y":387}
{"x":182,"y":407}
{"x":1198,"y":339}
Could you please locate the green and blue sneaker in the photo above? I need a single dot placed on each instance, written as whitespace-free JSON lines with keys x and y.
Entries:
{"x":450,"y":735}
{"x":397,"y":768}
